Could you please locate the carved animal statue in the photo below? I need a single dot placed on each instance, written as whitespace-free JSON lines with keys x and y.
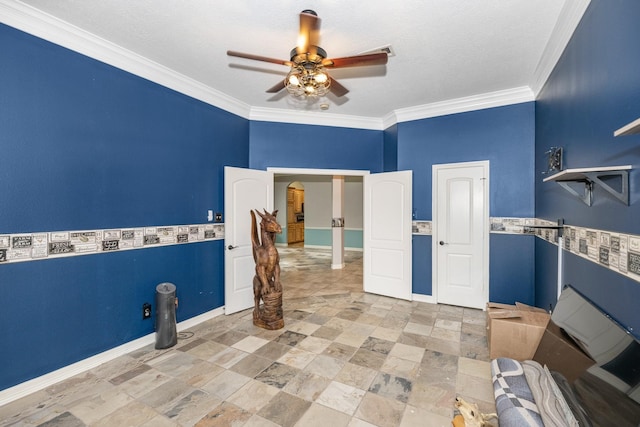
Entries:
{"x":265,"y":254}
{"x":470,"y":416}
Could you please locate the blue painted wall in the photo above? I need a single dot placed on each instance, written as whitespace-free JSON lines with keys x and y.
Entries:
{"x":421,"y":264}
{"x":594,"y":90}
{"x":88,"y":146}
{"x":505,"y":137}
{"x":315,"y":147}
{"x":390,"y":149}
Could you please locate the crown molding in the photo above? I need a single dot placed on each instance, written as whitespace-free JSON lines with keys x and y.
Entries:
{"x":568,"y":21}
{"x":314,"y":118}
{"x":451,"y":106}
{"x":47,"y":27}
{"x":460,"y":105}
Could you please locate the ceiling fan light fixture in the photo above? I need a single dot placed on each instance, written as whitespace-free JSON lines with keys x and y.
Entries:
{"x":293,"y":80}
{"x":307,"y":78}
{"x":305,"y":81}
{"x":321,"y":77}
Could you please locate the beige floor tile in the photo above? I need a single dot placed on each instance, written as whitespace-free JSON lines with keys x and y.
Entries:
{"x":322,"y":416}
{"x":474,"y":388}
{"x":474,"y":368}
{"x":314,"y":344}
{"x":250,"y":344}
{"x":258,"y":421}
{"x":445,"y":334}
{"x":400,"y":367}
{"x":380,"y":411}
{"x":341,"y":397}
{"x":356,"y":376}
{"x":227,"y":358}
{"x":225,"y":384}
{"x":338,"y":341}
{"x":407,"y":352}
{"x":418,"y":417}
{"x":97,"y":407}
{"x":225,"y":414}
{"x":451,"y":325}
{"x":307,"y":386}
{"x":253,"y":396}
{"x":418,"y":329}
{"x":386,"y":333}
{"x":141,"y":384}
{"x":133,"y":414}
{"x":285,"y":409}
{"x":297,"y":357}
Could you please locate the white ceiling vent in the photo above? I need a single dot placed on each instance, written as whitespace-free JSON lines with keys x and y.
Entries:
{"x":382,"y":49}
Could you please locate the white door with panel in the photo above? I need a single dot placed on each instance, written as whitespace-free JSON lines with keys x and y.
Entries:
{"x":461,"y":234}
{"x":244,"y":190}
{"x":387,"y":234}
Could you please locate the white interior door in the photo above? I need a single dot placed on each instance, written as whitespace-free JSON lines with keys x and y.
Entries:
{"x":461,"y":237}
{"x":244,"y":190}
{"x":387,"y":234}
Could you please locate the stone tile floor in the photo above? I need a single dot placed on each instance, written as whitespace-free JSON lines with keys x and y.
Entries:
{"x":344,"y":358}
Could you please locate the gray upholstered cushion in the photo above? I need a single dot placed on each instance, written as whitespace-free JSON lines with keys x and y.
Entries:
{"x":515,"y":404}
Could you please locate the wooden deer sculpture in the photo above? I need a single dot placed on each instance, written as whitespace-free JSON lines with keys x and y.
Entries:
{"x":266,"y":282}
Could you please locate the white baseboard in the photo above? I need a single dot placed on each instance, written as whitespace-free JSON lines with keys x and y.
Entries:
{"x":31,"y":386}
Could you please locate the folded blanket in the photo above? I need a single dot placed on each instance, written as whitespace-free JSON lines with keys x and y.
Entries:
{"x":554,"y":410}
{"x":515,"y":403}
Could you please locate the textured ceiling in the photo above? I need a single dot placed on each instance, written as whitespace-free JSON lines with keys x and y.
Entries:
{"x":444,"y":49}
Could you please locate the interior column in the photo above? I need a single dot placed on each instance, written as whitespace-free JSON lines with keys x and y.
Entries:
{"x":337,"y":222}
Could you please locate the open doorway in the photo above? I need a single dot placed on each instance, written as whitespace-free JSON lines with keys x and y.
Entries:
{"x":295,"y":214}
{"x":386,"y":201}
{"x":313,"y":214}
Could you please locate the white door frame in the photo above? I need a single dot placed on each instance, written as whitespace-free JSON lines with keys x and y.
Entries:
{"x":330,"y":172}
{"x":434,"y":213}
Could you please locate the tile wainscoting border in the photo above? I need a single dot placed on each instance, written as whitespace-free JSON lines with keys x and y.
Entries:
{"x":20,"y":247}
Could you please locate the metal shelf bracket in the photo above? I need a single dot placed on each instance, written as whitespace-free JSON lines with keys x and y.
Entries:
{"x":600,"y":176}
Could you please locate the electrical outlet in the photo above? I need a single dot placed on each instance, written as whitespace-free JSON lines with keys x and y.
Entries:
{"x":218,"y":217}
{"x":146,"y":310}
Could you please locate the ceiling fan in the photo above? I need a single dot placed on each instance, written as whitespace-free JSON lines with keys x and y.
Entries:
{"x":307,"y":77}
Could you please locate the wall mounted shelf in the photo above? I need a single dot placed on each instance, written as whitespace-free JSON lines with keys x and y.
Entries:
{"x":590,"y":176}
{"x":630,"y":129}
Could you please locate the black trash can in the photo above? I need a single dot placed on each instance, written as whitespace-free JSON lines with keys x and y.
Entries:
{"x":166,"y":333}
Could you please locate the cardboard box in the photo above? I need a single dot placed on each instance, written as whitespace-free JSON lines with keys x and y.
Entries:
{"x":515,"y":330}
{"x":560,"y":353}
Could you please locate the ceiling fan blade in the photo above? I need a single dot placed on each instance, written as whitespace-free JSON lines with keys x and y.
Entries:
{"x":356,"y":61}
{"x":309,"y":36}
{"x":259,"y":58}
{"x":337,"y":89}
{"x":276,"y":88}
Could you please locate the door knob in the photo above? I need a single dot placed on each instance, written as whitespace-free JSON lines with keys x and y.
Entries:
{"x":442,"y":243}
{"x":231,"y":247}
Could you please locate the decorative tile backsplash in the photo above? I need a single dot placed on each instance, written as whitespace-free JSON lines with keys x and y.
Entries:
{"x":54,"y":244}
{"x":511,"y":225}
{"x":616,"y":251}
{"x":421,"y":227}
{"x":504,"y":225}
{"x":619,"y":252}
